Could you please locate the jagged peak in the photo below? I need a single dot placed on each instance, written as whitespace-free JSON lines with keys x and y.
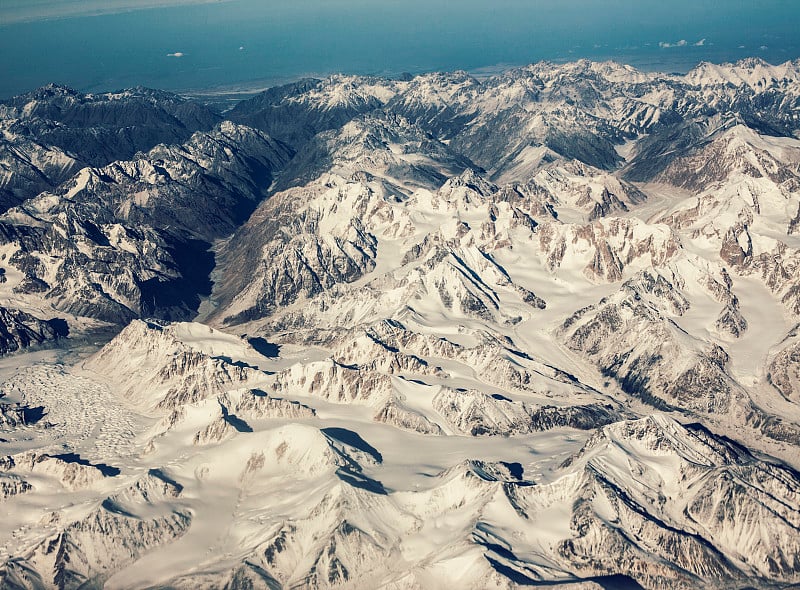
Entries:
{"x":141,"y":335}
{"x":610,"y":70}
{"x":456,"y":76}
{"x":737,"y":134}
{"x":385,"y":125}
{"x":660,"y":435}
{"x":306,"y":450}
{"x":752,"y":72}
{"x":485,"y":472}
{"x":51,"y":90}
{"x":441,"y":89}
{"x":348,"y":91}
{"x":469,"y":179}
{"x":59,"y":93}
{"x":229,"y":128}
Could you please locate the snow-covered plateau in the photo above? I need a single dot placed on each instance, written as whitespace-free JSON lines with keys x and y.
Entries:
{"x":538,"y":329}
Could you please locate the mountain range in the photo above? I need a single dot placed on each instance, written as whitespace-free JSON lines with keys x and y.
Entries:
{"x":535,"y":329}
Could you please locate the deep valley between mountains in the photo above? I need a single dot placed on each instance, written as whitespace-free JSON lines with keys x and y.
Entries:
{"x":538,"y":329}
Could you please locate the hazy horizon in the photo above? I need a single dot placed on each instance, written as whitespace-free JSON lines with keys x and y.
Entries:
{"x":184,"y":45}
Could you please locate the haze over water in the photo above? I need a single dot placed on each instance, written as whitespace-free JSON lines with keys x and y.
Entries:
{"x":247,"y":44}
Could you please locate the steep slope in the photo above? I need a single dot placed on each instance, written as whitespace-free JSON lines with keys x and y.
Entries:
{"x":28,"y":167}
{"x":131,"y":239}
{"x":784,"y":367}
{"x":158,"y":367}
{"x":204,"y":187}
{"x":296,"y":112}
{"x":580,"y":110}
{"x":696,"y":497}
{"x":51,"y":132}
{"x":381,"y":144}
{"x":120,"y":530}
{"x":19,"y":330}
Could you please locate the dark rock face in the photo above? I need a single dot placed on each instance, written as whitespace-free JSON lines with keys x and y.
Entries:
{"x":54,"y":131}
{"x":719,"y":498}
{"x":478,"y":414}
{"x":286,"y":265}
{"x":574,"y":101}
{"x":289,"y":255}
{"x":96,"y":277}
{"x":19,"y":330}
{"x":287,"y":114}
{"x":784,"y":369}
{"x":31,"y":167}
{"x":204,"y":187}
{"x":365,"y":142}
{"x":634,"y":342}
{"x":131,"y":237}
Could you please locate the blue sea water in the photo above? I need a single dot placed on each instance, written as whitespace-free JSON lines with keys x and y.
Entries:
{"x":254,"y":43}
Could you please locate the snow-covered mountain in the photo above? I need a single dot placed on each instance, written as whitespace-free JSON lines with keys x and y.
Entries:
{"x":534,"y":329}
